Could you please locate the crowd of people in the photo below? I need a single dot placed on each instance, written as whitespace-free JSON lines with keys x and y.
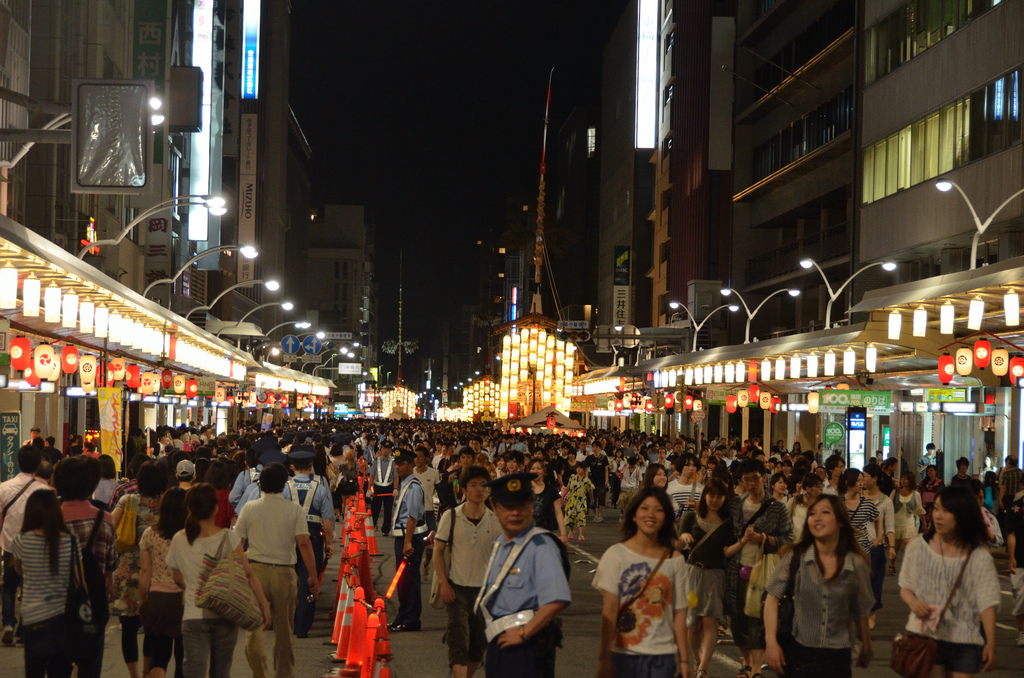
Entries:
{"x":786,"y":550}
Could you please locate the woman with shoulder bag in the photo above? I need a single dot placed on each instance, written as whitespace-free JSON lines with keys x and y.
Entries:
{"x":826,"y":565}
{"x":42,"y":556}
{"x":209,"y":640}
{"x":706,"y":532}
{"x":643,"y":619}
{"x":950,"y":584}
{"x":160,"y":599}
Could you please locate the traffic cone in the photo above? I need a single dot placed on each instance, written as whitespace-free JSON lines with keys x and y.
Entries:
{"x":385,"y":671}
{"x":382,"y":651}
{"x":357,"y":642}
{"x":342,"y":653}
{"x":372,"y":624}
{"x":371,"y":536}
{"x":339,"y":609}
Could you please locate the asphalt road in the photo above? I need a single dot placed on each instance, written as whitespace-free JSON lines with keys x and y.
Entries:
{"x":424,"y":655}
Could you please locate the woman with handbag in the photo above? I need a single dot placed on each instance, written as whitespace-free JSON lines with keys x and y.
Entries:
{"x":643,"y":619}
{"x":706,"y":532}
{"x":42,"y":556}
{"x":950,"y":584}
{"x":132,"y":515}
{"x":208,"y":639}
{"x":907,"y":510}
{"x":160,"y":599}
{"x":825,"y":579}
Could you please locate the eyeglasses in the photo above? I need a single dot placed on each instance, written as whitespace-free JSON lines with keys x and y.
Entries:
{"x":751,"y":479}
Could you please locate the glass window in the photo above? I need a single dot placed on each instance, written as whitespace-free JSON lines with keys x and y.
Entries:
{"x":880,"y":170}
{"x":892,"y":158}
{"x":917,"y":154}
{"x":903,"y":180}
{"x":947,"y":134}
{"x":869,"y":174}
{"x":932,"y":147}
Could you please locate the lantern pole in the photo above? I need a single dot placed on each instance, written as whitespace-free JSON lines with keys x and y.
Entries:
{"x":538,"y":249}
{"x":979,"y":226}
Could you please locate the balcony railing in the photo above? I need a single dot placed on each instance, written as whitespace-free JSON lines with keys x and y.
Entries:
{"x":823,"y":246}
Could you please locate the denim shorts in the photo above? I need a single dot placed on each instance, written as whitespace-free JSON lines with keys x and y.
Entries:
{"x":646,"y":665}
{"x":958,"y":657}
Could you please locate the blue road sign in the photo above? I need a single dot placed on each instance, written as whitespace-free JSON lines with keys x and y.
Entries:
{"x":290,"y":344}
{"x":312,"y":344}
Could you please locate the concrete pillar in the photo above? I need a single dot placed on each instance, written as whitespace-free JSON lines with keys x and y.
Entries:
{"x":745,"y":427}
{"x":1007,"y":423}
{"x":767,"y":437}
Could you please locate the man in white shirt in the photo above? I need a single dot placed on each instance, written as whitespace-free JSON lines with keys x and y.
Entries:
{"x":429,"y":478}
{"x":274,"y":527}
{"x":632,"y":474}
{"x":13,"y":495}
{"x":685,"y":490}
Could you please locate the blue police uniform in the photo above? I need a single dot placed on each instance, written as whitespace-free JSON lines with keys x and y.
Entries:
{"x":524,"y":574}
{"x":245,"y":479}
{"x":410,"y":504}
{"x":383,"y":471}
{"x":319,"y":509}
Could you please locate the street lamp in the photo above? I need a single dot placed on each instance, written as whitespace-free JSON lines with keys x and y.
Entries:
{"x":247,"y":251}
{"x":215,"y":204}
{"x":728,"y":291}
{"x":271,"y":285}
{"x":980,"y":226}
{"x":675,"y":305}
{"x":296,"y":325}
{"x":833,"y":295}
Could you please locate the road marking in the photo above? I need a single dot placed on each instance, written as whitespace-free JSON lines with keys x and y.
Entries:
{"x":585,"y":554}
{"x":1004,"y":626}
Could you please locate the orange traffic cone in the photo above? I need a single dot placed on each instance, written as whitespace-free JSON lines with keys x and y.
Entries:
{"x":372,"y":625}
{"x":357,"y":642}
{"x":382,"y":651}
{"x":339,"y":609}
{"x":355,"y":604}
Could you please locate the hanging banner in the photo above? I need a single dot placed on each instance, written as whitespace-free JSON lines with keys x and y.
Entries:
{"x":10,"y":442}
{"x":111,"y":424}
{"x":247,"y":140}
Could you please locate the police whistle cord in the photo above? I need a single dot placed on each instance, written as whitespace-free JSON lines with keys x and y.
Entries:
{"x":398,"y":575}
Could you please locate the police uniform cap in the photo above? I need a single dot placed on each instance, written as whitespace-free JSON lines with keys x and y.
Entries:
{"x":512,"y":489}
{"x":287,"y":439}
{"x":266,"y":445}
{"x":273,"y":456}
{"x":301,"y":453}
{"x":318,"y":437}
{"x":387,"y":443}
{"x":402,"y":454}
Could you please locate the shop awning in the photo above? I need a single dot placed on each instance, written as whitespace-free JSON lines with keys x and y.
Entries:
{"x":277,"y":378}
{"x":139,"y":329}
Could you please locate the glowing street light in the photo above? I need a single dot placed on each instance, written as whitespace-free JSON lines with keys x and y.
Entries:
{"x":834,"y":294}
{"x":697,"y":326}
{"x":247,"y":251}
{"x":945,"y":185}
{"x":215,"y":204}
{"x":728,"y":291}
{"x":270,"y":285}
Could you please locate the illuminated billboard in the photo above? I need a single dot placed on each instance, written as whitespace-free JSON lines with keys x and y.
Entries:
{"x":647,"y":74}
{"x":250,"y":48}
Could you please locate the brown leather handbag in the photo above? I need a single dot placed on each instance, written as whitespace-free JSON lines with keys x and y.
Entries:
{"x":912,"y":653}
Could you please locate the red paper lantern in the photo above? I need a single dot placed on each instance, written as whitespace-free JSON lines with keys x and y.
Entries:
{"x":31,"y":377}
{"x":982,"y":353}
{"x":133,"y":376}
{"x":69,"y":359}
{"x":191,"y":388}
{"x":670,"y":401}
{"x":1017,"y":368}
{"x":117,"y":367}
{"x":220,"y":394}
{"x":649,"y":405}
{"x":688,"y":402}
{"x":730,"y":404}
{"x":752,"y":374}
{"x":166,"y":379}
{"x":947,"y":368}
{"x":776,"y":404}
{"x":21,"y":353}
{"x":755,"y":391}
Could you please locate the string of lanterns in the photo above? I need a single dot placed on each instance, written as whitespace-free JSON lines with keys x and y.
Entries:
{"x":481,"y":396}
{"x":982,"y":356}
{"x":537,"y":367}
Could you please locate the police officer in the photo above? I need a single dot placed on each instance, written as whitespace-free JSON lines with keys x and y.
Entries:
{"x":315,"y":499}
{"x":382,"y":473}
{"x":254,"y":461}
{"x":409,"y":530}
{"x":525,"y":588}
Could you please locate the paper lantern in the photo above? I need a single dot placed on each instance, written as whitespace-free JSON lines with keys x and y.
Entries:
{"x":752,"y":371}
{"x":982,"y":353}
{"x":55,"y":369}
{"x":895,"y":325}
{"x":191,"y":388}
{"x":1016,"y":368}
{"x":975,"y":313}
{"x":43,"y":359}
{"x":830,"y":364}
{"x":31,"y":377}
{"x":920,"y":321}
{"x":87,"y":372}
{"x":21,"y":353}
{"x":109,"y":376}
{"x":51,"y":304}
{"x":843,"y":387}
{"x":178,"y":384}
{"x":870,"y":358}
{"x":30,"y":290}
{"x":670,"y":401}
{"x":688,"y":402}
{"x":755,"y":390}
{"x":69,"y":359}
{"x":743,"y":398}
{"x":166,"y":379}
{"x":220,"y":394}
{"x":1011,"y":308}
{"x":149,"y":383}
{"x":698,"y":404}
{"x":117,"y":367}
{"x":776,"y":405}
{"x":964,"y":359}
{"x":730,"y":404}
{"x":813,"y":400}
{"x":132,"y":376}
{"x":765,"y":400}
{"x":8,"y":286}
{"x":1000,"y":362}
{"x":947,"y":370}
{"x":649,"y":406}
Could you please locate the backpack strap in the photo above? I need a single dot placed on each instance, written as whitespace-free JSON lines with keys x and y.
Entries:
{"x":95,"y":529}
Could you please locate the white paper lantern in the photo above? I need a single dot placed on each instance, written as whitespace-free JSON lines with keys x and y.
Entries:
{"x":51,"y":304}
{"x":920,"y":321}
{"x":8,"y":286}
{"x":812,"y":366}
{"x":69,"y":312}
{"x":86,"y":313}
{"x":870,"y":358}
{"x":30,"y":290}
{"x":849,"y":362}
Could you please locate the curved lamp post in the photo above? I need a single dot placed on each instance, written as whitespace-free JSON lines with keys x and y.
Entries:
{"x":247,"y":251}
{"x":728,"y":291}
{"x":297,"y":324}
{"x":980,"y":226}
{"x":271,"y":285}
{"x":834,"y":294}
{"x":215,"y":204}
{"x":676,"y":306}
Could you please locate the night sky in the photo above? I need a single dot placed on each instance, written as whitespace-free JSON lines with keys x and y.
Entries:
{"x":430,"y":114}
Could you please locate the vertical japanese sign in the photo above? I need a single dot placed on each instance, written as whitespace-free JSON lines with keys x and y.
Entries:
{"x":199,"y":176}
{"x":149,"y":54}
{"x":248,"y":139}
{"x":158,"y":253}
{"x":251,"y":10}
{"x":10,"y":441}
{"x":620,"y":287}
{"x":111,"y":423}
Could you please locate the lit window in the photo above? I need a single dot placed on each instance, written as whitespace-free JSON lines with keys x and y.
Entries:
{"x":591,"y":141}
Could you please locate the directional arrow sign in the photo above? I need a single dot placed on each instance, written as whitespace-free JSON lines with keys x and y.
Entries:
{"x":312,"y":344}
{"x":290,"y":344}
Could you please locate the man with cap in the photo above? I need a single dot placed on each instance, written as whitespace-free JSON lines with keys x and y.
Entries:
{"x":251,"y":474}
{"x":315,"y":499}
{"x":382,"y":476}
{"x":525,"y":589}
{"x":410,"y":529}
{"x":185,"y":473}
